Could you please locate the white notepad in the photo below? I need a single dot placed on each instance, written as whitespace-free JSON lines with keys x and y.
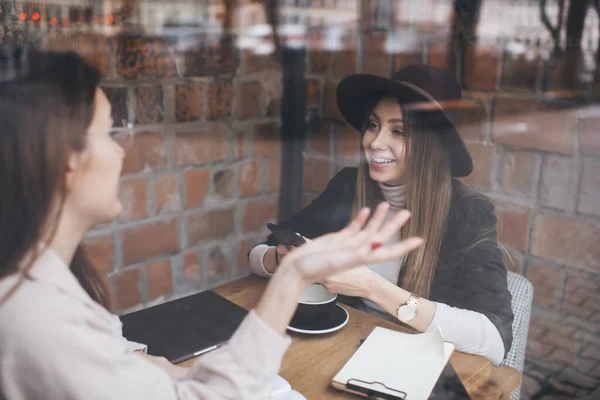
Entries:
{"x":402,"y":362}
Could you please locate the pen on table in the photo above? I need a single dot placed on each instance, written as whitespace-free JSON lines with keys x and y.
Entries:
{"x":211,"y":348}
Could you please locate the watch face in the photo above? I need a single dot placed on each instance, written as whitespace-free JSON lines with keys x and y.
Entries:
{"x":406,"y":313}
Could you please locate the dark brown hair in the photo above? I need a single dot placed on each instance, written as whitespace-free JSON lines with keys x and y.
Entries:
{"x":428,"y":193}
{"x":46,"y":106}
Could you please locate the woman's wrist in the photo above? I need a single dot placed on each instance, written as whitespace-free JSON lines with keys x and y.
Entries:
{"x":386,"y":294}
{"x":374,"y":286}
{"x":280,"y":299}
{"x":390,"y":296}
{"x":288,"y":276}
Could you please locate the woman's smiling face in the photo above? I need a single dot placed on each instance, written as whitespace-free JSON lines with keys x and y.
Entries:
{"x":384,"y":143}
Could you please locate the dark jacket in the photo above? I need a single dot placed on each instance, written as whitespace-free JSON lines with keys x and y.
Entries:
{"x":473,"y":280}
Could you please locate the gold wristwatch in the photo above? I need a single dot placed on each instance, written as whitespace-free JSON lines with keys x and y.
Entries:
{"x":408,"y":311}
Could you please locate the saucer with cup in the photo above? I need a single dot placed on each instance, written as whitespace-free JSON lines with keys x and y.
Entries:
{"x":318,"y":312}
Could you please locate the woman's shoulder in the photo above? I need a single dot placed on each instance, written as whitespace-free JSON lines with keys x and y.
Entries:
{"x":346,"y":175}
{"x":37,"y":301}
{"x":342,"y":185}
{"x":29,"y":315}
{"x":469,"y":208}
{"x":467,"y":199}
{"x":35,"y":306}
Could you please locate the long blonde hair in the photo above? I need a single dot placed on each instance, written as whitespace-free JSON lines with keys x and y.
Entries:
{"x":428,"y":196}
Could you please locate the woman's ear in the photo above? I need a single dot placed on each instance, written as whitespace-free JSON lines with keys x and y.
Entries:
{"x":74,"y":165}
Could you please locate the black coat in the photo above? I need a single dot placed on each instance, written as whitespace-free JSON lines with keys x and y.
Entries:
{"x":473,"y":280}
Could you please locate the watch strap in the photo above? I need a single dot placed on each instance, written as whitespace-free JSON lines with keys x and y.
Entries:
{"x":413,"y":300}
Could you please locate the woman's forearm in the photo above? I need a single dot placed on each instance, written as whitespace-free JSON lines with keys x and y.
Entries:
{"x":280,"y":299}
{"x":174,"y":371}
{"x":389,"y":296}
{"x":469,"y":331}
{"x":275,"y":308}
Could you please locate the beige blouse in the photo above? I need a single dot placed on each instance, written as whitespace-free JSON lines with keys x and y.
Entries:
{"x":57,"y":343}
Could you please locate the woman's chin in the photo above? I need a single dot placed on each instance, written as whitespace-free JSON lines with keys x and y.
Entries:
{"x":381,"y":177}
{"x":111,"y":214}
{"x":117,"y":210}
{"x":385,"y":178}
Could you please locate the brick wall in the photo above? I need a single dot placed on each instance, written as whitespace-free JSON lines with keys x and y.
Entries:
{"x":202,"y":177}
{"x":537,"y":155}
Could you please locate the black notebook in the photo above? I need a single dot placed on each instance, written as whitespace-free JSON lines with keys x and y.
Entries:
{"x":186,"y":327}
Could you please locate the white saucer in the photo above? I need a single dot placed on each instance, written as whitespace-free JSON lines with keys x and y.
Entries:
{"x":337,"y":321}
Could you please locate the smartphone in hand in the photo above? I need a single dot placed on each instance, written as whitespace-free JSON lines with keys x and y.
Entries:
{"x":286,"y":237}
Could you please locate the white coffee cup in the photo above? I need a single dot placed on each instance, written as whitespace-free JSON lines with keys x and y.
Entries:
{"x":315,"y":303}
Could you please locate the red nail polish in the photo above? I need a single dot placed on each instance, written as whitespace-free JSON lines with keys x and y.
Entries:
{"x":375,"y":246}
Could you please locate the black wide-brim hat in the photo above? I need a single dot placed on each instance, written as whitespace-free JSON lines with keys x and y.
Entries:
{"x":419,"y":88}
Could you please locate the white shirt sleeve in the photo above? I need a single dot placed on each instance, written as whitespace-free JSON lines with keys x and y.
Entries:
{"x":470,"y":332}
{"x":75,"y":361}
{"x":131,"y":346}
{"x":257,"y":255}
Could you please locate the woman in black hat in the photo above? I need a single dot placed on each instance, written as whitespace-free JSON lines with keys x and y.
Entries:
{"x":411,"y":155}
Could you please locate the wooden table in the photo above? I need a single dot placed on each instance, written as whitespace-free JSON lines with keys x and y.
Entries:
{"x":312,"y":361}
